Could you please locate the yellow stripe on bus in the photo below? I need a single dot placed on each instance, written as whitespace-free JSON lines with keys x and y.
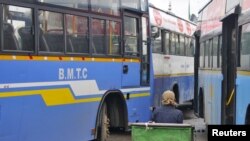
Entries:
{"x":173,"y":75}
{"x":243,"y":72}
{"x":51,"y":97}
{"x":139,"y":95}
{"x":65,"y":58}
{"x":59,"y":96}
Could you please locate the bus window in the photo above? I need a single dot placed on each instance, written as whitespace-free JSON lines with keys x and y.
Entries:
{"x":177,"y":45}
{"x":215,"y":52}
{"x":80,"y":4}
{"x":219,"y":51}
{"x":189,"y":47}
{"x":210,"y":64}
{"x":245,"y":50}
{"x":113,"y":36}
{"x":167,"y":42}
{"x":182,"y":45}
{"x":192,"y":46}
{"x":145,"y":63}
{"x":144,"y":28}
{"x":173,"y":44}
{"x":131,"y":36}
{"x":18,"y":33}
{"x":77,"y":34}
{"x":157,"y":43}
{"x":145,"y":39}
{"x":144,"y":5}
{"x":206,"y":52}
{"x":202,"y":55}
{"x":51,"y":32}
{"x":131,"y":4}
{"x":98,"y":37}
{"x":110,"y":7}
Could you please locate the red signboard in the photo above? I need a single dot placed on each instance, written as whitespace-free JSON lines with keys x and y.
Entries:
{"x":180,"y":25}
{"x":157,"y":16}
{"x":212,"y":15}
{"x":170,"y":22}
{"x":245,"y":5}
{"x":188,"y":28}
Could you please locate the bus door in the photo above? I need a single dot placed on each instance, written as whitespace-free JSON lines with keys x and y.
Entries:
{"x":229,"y":44}
{"x":132,"y":46}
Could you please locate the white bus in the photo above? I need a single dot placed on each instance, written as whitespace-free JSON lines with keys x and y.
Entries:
{"x":173,"y":55}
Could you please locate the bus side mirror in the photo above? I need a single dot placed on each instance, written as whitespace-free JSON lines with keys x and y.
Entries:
{"x":155,"y":32}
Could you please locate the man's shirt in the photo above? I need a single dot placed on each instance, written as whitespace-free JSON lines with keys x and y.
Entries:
{"x":167,"y":114}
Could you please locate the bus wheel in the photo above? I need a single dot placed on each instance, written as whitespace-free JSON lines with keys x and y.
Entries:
{"x":104,"y":123}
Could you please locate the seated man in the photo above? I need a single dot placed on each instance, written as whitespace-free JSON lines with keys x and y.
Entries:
{"x":167,"y":113}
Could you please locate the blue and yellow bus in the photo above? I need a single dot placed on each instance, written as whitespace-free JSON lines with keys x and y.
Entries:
{"x":223,"y":58}
{"x":73,"y":70}
{"x":173,"y":56}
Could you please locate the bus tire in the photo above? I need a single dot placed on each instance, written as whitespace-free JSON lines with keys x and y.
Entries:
{"x":104,"y":127}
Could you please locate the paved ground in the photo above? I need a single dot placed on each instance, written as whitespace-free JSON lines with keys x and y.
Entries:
{"x":120,"y":137}
{"x":190,"y":118}
{"x":200,"y":133}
